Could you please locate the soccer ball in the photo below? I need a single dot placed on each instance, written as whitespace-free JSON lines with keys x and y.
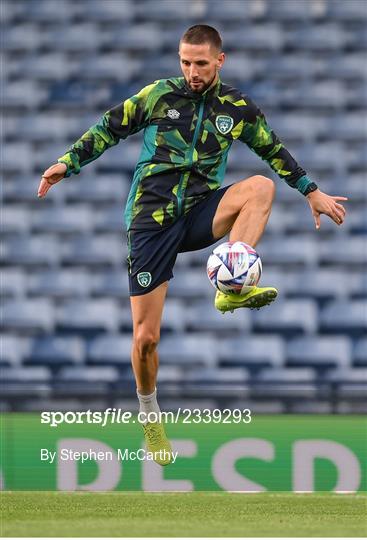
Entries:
{"x":234,"y":267}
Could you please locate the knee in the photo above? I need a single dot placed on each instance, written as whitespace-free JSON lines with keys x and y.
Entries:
{"x":262,"y":189}
{"x":145,"y":342}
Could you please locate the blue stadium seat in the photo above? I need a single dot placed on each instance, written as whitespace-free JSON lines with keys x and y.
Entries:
{"x":347,"y":66}
{"x":278,"y":221}
{"x":63,"y":220}
{"x":82,"y":37}
{"x":44,"y":12}
{"x":110,"y":219}
{"x":321,"y":353}
{"x":352,"y":251}
{"x":238,"y":66}
{"x":356,"y":94}
{"x":110,"y":350}
{"x":23,"y":93}
{"x":55,"y":352}
{"x":90,"y":381}
{"x":221,"y":376}
{"x":47,"y":67}
{"x":23,"y":375}
{"x":103,"y":250}
{"x":30,"y":250}
{"x":28,"y":316}
{"x":170,"y":12}
{"x":186,"y":350}
{"x":350,"y":384}
{"x":110,"y":11}
{"x":112,"y":66}
{"x":327,"y":157}
{"x":351,"y":11}
{"x":298,"y":383}
{"x":358,"y":222}
{"x":300,"y":250}
{"x":300,"y":11}
{"x":110,"y":284}
{"x":252,"y":352}
{"x":170,"y":374}
{"x":281,"y":279}
{"x":12,"y":283}
{"x":190,"y":284}
{"x":235,"y":11}
{"x":257,"y":37}
{"x":59,"y":284}
{"x":358,"y":287}
{"x":328,"y":37}
{"x":321,"y":284}
{"x":350,"y":128}
{"x":346,"y":317}
{"x":75,"y":94}
{"x":202,"y":316}
{"x":25,"y":191}
{"x":10,"y":162}
{"x":97,"y":189}
{"x":143,"y":38}
{"x":216,"y":382}
{"x":168,"y":67}
{"x":88,"y":374}
{"x":287,"y":318}
{"x":195,"y":258}
{"x":88,"y":317}
{"x":25,"y":382}
{"x":357,"y":189}
{"x":22,"y":38}
{"x":11,"y":350}
{"x":240,"y":158}
{"x":9,"y":125}
{"x":174,"y":316}
{"x":40,"y":127}
{"x":11,"y":11}
{"x":360,"y":353}
{"x":289,"y":66}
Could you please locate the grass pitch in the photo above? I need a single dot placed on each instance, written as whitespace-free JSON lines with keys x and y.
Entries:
{"x":121,"y":514}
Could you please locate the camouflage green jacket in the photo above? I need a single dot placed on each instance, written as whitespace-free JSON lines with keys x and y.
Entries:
{"x":187,"y":137}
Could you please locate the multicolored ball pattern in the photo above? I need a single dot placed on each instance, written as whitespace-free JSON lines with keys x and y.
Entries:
{"x":234,"y":268}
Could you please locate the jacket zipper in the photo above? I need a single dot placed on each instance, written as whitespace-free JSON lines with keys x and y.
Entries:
{"x":194,"y":140}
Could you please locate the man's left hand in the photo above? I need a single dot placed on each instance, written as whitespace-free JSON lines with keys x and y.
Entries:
{"x":322,"y":203}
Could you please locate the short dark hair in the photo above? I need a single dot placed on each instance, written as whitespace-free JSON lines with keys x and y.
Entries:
{"x":202,"y":33}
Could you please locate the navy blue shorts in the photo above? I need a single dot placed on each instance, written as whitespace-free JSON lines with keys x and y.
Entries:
{"x":152,"y":254}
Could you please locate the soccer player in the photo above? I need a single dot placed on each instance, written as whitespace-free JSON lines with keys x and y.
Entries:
{"x":175,"y":202}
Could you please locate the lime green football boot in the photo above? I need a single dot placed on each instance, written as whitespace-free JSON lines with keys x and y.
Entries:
{"x":157,"y":443}
{"x":255,"y":299}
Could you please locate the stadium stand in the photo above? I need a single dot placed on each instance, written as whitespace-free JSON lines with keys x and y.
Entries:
{"x":66,"y":320}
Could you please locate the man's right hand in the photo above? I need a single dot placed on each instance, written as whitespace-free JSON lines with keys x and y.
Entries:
{"x":51,"y":176}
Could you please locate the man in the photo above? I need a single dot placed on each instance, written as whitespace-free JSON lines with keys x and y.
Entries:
{"x":175,"y":202}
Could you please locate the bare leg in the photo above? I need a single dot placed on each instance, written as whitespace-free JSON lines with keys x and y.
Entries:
{"x":146,"y":313}
{"x":244,"y":210}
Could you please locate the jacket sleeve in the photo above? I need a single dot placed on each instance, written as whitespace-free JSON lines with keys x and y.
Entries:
{"x":260,"y":138}
{"x":129,"y":117}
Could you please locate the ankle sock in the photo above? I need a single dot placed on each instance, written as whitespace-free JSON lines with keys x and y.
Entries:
{"x":148,"y":403}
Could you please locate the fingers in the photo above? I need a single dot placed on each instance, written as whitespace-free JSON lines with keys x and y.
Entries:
{"x":337,"y":216}
{"x":341,"y":208}
{"x":337,"y":198}
{"x":316,"y":216}
{"x":43,"y":187}
{"x":339,"y":213}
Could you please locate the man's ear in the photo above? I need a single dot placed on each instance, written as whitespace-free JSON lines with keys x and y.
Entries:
{"x":221,"y":59}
